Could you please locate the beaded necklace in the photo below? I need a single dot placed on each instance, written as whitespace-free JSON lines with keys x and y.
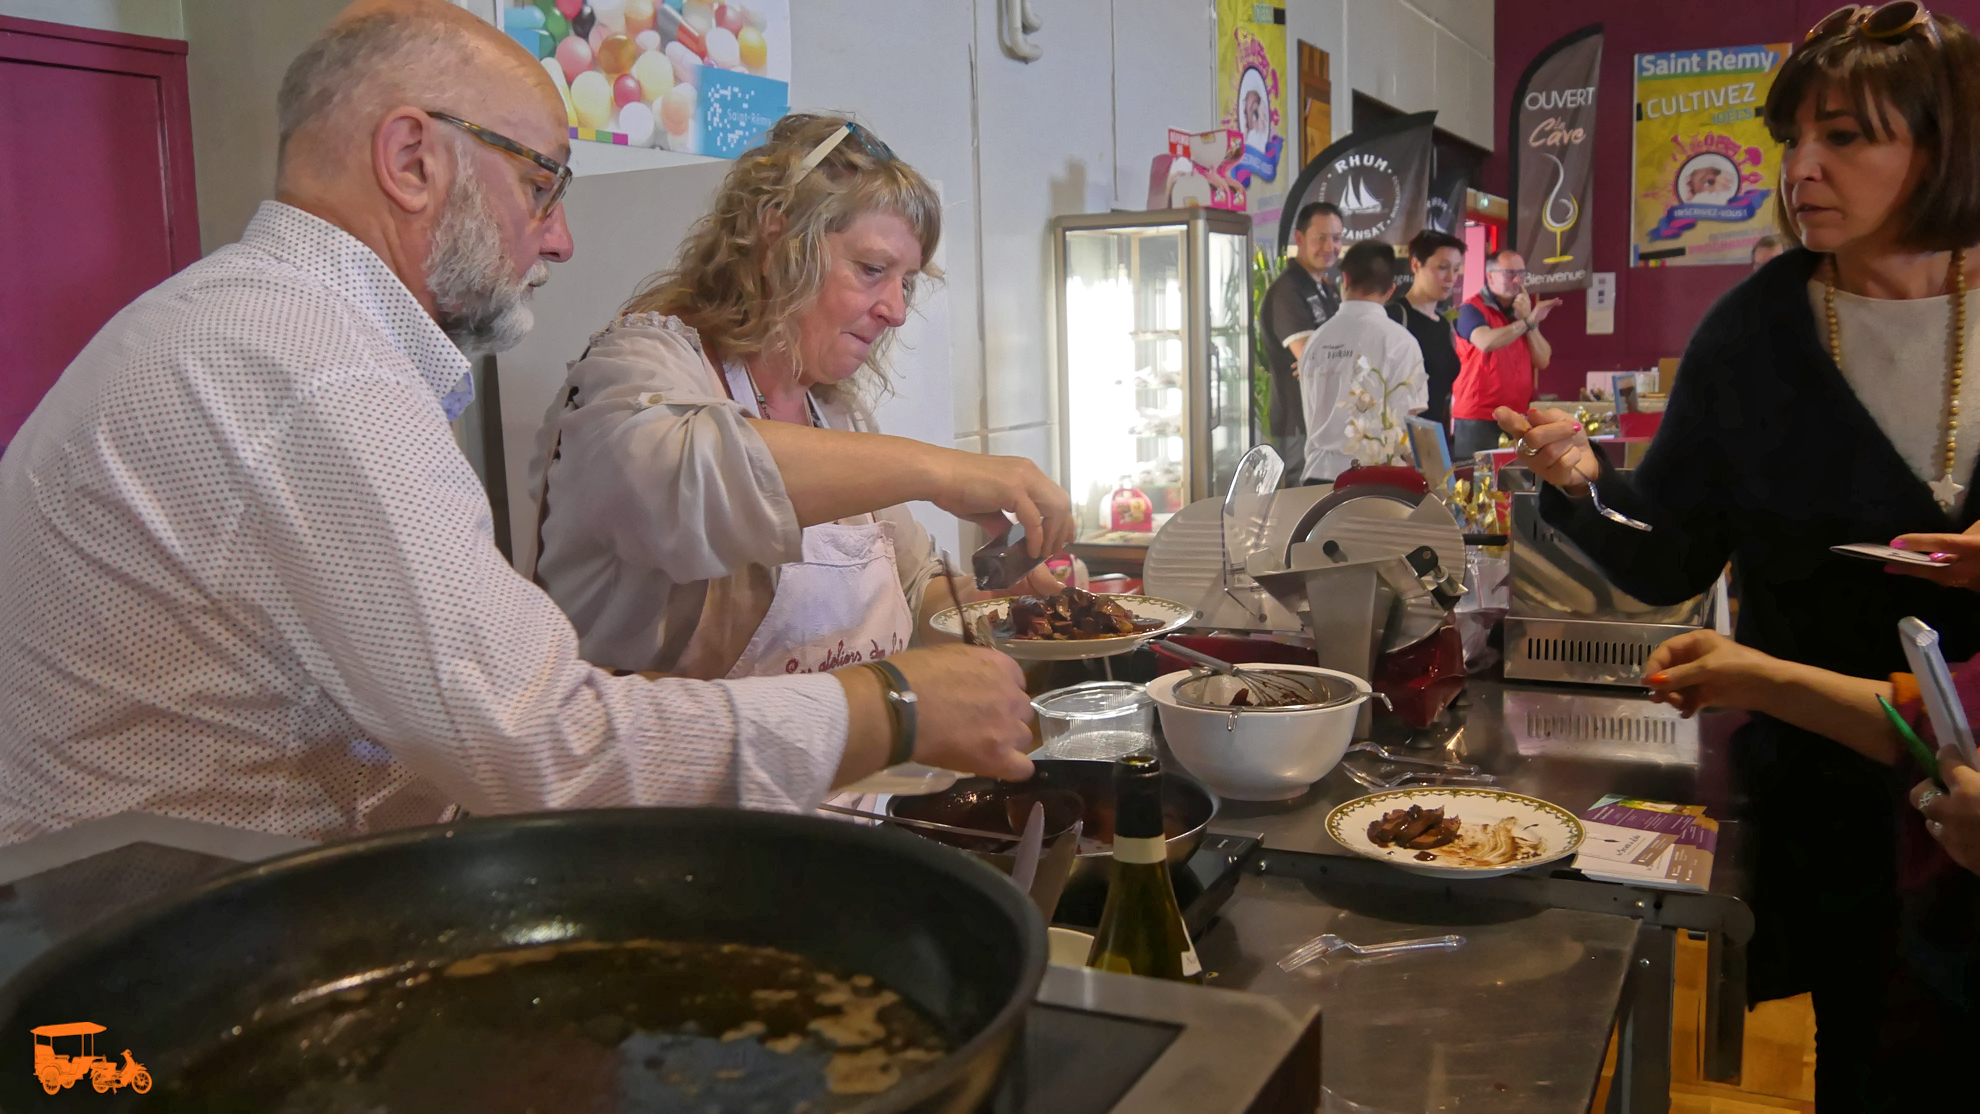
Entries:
{"x":1945,"y":489}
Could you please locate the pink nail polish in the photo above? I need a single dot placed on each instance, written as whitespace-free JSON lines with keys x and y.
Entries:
{"x":1898,"y":543}
{"x":1577,"y":427}
{"x":1942,"y":556}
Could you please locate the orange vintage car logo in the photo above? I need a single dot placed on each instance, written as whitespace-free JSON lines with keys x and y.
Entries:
{"x":64,"y":1054}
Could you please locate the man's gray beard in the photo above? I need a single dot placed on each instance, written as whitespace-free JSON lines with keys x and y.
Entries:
{"x":475,"y":301}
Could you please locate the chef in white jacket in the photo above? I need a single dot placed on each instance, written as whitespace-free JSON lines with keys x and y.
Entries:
{"x":716,"y":499}
{"x":1361,"y":374}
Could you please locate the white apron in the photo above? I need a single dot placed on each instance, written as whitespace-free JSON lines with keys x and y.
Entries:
{"x":841,"y":604}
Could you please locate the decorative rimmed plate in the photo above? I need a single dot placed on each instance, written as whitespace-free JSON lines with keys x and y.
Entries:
{"x":1539,"y":831}
{"x":1171,"y":615}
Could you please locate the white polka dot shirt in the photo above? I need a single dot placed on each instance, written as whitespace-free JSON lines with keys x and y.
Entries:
{"x":247,"y":578}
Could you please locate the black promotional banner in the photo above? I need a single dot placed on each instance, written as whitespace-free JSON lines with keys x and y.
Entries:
{"x":1379,"y":177}
{"x":1553,"y":148}
{"x":1445,"y":211}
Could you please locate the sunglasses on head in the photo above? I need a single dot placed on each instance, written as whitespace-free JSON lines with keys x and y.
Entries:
{"x":561,"y":172}
{"x":867,"y":141}
{"x":1885,"y":24}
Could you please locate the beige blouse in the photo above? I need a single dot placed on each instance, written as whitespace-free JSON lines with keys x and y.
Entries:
{"x":664,"y":511}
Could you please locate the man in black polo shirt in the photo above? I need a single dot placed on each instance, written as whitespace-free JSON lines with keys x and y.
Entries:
{"x":1436,"y":266}
{"x":1299,"y":301}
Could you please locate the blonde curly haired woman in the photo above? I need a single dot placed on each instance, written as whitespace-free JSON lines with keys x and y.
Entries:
{"x":717,"y":500}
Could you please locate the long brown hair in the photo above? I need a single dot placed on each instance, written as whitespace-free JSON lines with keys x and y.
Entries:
{"x":1935,"y":88}
{"x":757,"y":261}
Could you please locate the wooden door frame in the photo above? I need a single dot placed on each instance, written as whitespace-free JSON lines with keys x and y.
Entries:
{"x":58,"y":44}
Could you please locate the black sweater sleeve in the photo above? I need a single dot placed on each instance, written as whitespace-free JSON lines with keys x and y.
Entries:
{"x":1682,"y":489}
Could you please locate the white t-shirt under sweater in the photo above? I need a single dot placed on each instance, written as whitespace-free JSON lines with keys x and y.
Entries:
{"x":1894,"y":357}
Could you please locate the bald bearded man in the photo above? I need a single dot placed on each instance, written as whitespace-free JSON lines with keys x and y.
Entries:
{"x":247,"y":578}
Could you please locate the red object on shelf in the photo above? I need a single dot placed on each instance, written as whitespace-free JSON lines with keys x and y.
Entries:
{"x":1388,"y":475}
{"x":1129,"y":509}
{"x":1639,"y":427}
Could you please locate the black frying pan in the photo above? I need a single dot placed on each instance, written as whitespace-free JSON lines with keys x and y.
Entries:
{"x":171,"y":979}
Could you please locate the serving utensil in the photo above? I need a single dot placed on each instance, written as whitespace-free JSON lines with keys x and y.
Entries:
{"x":1055,"y":870}
{"x":977,"y":833}
{"x":1322,"y":946}
{"x":1614,"y":516}
{"x":1025,"y":868}
{"x":1414,"y":777}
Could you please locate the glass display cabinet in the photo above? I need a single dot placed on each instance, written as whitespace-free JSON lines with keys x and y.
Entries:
{"x":1154,"y":375}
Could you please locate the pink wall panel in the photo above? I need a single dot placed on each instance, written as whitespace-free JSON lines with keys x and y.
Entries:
{"x":92,"y":210}
{"x":1657,"y":307}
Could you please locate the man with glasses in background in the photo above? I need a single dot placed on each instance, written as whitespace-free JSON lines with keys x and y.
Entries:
{"x":246,"y":576}
{"x":1298,"y":302}
{"x":1500,"y":354}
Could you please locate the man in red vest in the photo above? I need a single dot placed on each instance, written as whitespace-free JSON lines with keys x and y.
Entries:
{"x":1500,"y":354}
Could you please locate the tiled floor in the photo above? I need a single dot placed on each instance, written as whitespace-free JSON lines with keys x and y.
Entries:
{"x":1778,"y":1062}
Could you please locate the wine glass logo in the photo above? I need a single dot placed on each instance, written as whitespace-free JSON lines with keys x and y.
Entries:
{"x":1555,"y":200}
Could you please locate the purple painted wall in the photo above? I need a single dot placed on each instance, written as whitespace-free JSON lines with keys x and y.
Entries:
{"x":1657,"y":307}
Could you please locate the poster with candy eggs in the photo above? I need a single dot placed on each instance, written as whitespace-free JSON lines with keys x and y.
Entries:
{"x":699,"y":77}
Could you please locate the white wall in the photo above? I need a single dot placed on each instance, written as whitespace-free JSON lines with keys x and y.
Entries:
{"x":237,"y":52}
{"x":1012,"y":144}
{"x":626,"y":227}
{"x":159,"y":18}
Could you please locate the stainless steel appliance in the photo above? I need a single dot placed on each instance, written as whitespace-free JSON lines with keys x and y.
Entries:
{"x":1568,"y":622}
{"x":1362,"y":572}
{"x":1154,"y":380}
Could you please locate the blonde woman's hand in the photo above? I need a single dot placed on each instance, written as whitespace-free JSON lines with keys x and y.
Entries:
{"x":1037,"y":582}
{"x":1553,"y":445}
{"x":1964,"y":549}
{"x":981,"y":488}
{"x":1952,"y":815}
{"x":1706,"y":669}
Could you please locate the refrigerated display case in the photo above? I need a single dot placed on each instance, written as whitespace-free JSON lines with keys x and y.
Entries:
{"x":1154,"y":376}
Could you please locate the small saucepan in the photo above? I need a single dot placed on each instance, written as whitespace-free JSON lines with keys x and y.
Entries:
{"x":985,"y":803}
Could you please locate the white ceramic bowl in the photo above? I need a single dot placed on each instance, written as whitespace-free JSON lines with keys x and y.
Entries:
{"x":1261,"y":754}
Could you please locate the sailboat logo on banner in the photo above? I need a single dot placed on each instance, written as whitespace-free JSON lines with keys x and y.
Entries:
{"x":1357,"y":200}
{"x":1368,"y":194}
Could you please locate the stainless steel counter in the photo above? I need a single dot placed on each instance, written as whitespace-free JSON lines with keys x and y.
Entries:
{"x":1518,"y":1019}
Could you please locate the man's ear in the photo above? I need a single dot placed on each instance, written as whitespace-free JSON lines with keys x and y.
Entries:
{"x":407,"y":161}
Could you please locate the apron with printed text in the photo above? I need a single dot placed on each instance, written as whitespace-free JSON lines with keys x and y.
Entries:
{"x":840,"y":604}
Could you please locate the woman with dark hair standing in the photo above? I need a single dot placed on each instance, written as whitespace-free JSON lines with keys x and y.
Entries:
{"x":1819,"y":404}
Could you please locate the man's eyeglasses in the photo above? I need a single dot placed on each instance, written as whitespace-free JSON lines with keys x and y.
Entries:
{"x":547,"y":196}
{"x":867,"y":141}
{"x":1505,"y":272}
{"x":1886,"y":23}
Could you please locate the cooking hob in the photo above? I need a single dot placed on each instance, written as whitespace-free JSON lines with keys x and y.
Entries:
{"x":1094,"y":1043}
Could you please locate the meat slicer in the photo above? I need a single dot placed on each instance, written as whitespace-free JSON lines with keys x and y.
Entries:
{"x":1362,"y":571}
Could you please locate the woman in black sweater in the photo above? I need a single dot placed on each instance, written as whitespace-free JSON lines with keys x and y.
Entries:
{"x":1816,"y":406}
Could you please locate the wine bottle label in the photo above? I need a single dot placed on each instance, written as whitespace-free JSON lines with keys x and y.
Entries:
{"x":1128,"y":849}
{"x":1191,"y":966}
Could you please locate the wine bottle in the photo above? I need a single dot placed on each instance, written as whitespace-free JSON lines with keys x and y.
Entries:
{"x":1141,"y":931}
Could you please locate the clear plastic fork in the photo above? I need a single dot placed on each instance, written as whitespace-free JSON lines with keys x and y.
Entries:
{"x":1322,"y":946}
{"x":1387,"y":755}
